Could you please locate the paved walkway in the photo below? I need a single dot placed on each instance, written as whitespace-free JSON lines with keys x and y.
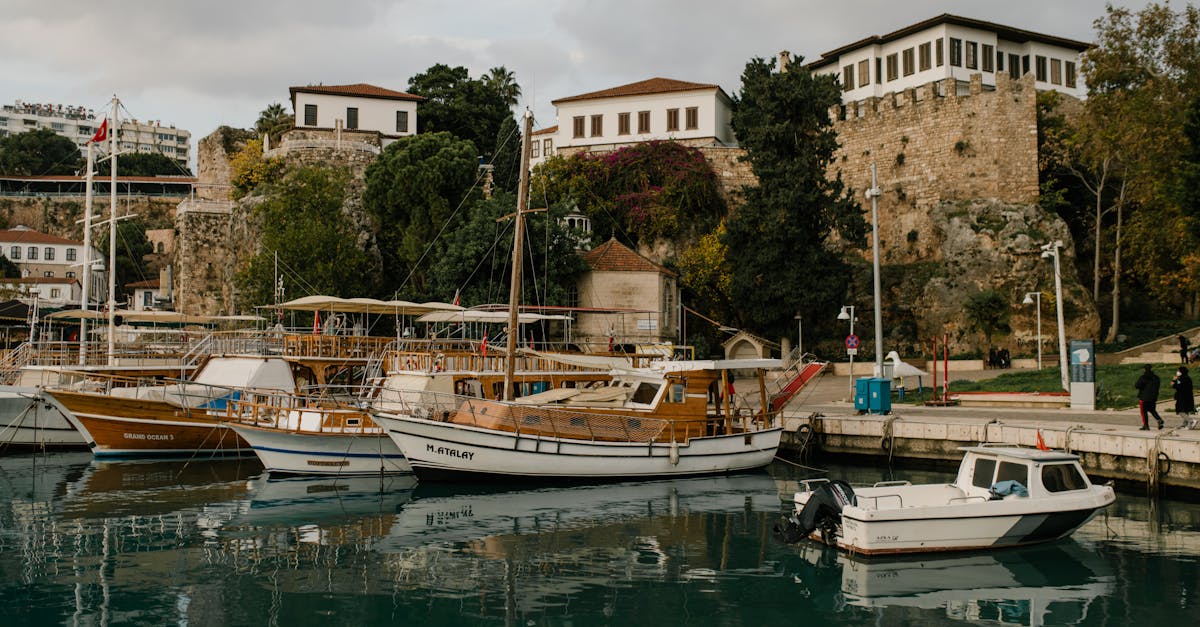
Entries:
{"x":828,"y":395}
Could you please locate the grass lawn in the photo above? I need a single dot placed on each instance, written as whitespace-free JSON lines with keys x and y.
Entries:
{"x":1114,"y":384}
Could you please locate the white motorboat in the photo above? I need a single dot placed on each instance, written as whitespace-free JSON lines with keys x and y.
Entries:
{"x":1002,"y":496}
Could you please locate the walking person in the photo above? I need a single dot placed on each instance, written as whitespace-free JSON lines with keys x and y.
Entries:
{"x":1185,"y":402}
{"x":1147,"y":386}
{"x":1183,"y":348}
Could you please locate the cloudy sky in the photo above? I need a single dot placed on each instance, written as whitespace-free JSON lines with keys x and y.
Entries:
{"x":202,"y":64}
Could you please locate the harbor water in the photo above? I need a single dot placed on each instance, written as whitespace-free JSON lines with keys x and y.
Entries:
{"x":203,"y":542}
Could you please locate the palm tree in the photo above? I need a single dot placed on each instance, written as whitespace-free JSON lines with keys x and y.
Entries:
{"x":504,"y":82}
{"x":273,"y":121}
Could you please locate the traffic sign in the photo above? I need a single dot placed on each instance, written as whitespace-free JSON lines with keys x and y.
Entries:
{"x":852,"y":341}
{"x":851,"y":351}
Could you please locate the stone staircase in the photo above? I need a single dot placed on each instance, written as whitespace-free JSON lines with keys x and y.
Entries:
{"x":1164,"y":350}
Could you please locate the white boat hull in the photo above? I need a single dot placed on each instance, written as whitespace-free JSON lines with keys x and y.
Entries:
{"x":447,"y":451}
{"x":965,"y":527}
{"x":290,"y":452}
{"x":31,"y":419}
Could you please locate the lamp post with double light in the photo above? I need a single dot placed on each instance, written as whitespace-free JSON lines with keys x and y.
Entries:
{"x":874,"y":193}
{"x":847,"y":313}
{"x":1031,"y":298}
{"x":1050,"y":251}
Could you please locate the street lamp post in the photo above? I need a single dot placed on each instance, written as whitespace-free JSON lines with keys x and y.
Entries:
{"x":1050,"y":251}
{"x":847,"y":313}
{"x":1030,"y":298}
{"x":799,"y":335}
{"x":874,"y":194}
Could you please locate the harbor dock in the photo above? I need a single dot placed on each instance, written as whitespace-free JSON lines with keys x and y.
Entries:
{"x":823,"y":422}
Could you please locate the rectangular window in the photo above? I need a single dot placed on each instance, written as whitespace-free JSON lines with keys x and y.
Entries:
{"x":909,"y":62}
{"x":351,"y":117}
{"x":535,"y":150}
{"x":55,"y":292}
{"x":48,"y":254}
{"x":597,"y":125}
{"x":402,"y":121}
{"x":989,"y":54}
{"x":893,"y":67}
{"x":940,"y":52}
{"x":878,"y":71}
{"x":643,"y":121}
{"x":71,"y":251}
{"x":1070,"y":74}
{"x":924,"y":56}
{"x":1056,"y":71}
{"x":33,"y":252}
{"x":147,"y":298}
{"x":577,"y":123}
{"x":1014,"y":66}
{"x":547,"y":147}
{"x":955,"y":52}
{"x":310,"y":115}
{"x":70,"y":275}
{"x":1040,"y":68}
{"x":1024,"y":64}
{"x":848,"y":77}
{"x":14,"y":253}
{"x":972,"y":55}
{"x":622,"y":124}
{"x":985,"y":468}
{"x":48,"y":274}
{"x":864,"y":72}
{"x":999,"y":61}
{"x":672,"y":120}
{"x":691,"y":118}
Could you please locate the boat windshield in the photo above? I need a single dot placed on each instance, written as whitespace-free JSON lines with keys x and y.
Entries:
{"x":1062,"y":478}
{"x":645,"y":393}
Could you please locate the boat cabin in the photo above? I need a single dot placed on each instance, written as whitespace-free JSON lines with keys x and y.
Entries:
{"x":1040,"y":473}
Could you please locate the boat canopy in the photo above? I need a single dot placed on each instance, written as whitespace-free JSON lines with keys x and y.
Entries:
{"x":598,"y":362}
{"x":362,"y":305}
{"x":162,"y":317}
{"x":474,"y":315}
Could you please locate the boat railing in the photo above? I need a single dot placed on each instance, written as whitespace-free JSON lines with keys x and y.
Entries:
{"x":297,"y":413}
{"x":966,"y":499}
{"x":860,"y":499}
{"x":537,"y":421}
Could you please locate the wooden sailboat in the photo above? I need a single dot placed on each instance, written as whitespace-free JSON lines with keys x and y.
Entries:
{"x":648,"y":422}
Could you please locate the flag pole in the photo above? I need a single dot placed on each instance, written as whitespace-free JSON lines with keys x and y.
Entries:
{"x":87,"y":253}
{"x":112,"y":234}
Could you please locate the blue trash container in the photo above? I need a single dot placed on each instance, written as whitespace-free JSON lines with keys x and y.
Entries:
{"x":862,"y":394}
{"x":879,"y":395}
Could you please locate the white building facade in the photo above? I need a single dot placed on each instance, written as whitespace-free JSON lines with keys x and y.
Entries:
{"x":361,"y":107}
{"x":696,"y":114}
{"x":949,"y":46}
{"x":40,"y":256}
{"x":79,"y":124}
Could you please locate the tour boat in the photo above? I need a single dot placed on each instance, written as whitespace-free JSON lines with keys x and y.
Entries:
{"x":644,"y":422}
{"x":1002,"y":496}
{"x":177,"y":418}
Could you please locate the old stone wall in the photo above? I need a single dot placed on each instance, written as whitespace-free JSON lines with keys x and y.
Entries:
{"x":933,"y":144}
{"x":212,"y":163}
{"x":59,"y":215}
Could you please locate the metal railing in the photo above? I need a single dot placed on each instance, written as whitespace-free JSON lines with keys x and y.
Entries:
{"x":322,"y":144}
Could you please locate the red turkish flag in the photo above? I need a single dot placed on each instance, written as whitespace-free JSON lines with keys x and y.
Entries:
{"x":102,"y":132}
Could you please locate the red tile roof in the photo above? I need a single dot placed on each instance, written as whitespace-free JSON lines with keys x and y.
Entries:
{"x":38,"y":280}
{"x":148,"y":283}
{"x":640,"y":88}
{"x":30,"y":236}
{"x":546,"y":131}
{"x":361,"y":90}
{"x":613,"y":256}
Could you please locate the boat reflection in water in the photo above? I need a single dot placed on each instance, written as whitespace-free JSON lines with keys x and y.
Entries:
{"x":1054,"y":584}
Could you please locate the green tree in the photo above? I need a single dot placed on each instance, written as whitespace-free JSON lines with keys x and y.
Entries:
{"x":469,"y":108}
{"x":779,"y":237}
{"x":249,"y":168}
{"x":503,"y":81}
{"x":8,"y":269}
{"x":144,"y":164}
{"x":988,"y":313}
{"x":38,"y":152}
{"x":476,"y":258}
{"x":132,"y":248}
{"x":415,"y":191}
{"x":506,"y":157}
{"x":273,"y":121}
{"x":302,"y":220}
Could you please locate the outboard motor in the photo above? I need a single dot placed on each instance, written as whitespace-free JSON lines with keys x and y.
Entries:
{"x":823,"y":510}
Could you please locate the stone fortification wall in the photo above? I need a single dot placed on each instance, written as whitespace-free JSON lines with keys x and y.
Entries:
{"x":60,"y":215}
{"x":936,"y":144}
{"x":212,"y":163}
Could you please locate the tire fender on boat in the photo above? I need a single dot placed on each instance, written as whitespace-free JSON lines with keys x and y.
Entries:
{"x":674,"y":453}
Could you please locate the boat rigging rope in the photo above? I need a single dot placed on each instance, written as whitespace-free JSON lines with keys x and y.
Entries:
{"x":887,"y":440}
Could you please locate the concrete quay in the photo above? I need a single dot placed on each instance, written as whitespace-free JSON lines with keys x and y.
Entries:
{"x":823,"y":421}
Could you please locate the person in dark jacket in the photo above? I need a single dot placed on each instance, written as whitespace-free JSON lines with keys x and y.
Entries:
{"x":1185,"y":402}
{"x":1147,"y":386}
{"x":1183,"y":348}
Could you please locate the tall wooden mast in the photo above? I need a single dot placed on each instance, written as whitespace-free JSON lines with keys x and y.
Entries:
{"x":514,"y":292}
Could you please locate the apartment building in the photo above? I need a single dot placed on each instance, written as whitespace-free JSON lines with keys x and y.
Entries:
{"x":79,"y":124}
{"x":44,"y":258}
